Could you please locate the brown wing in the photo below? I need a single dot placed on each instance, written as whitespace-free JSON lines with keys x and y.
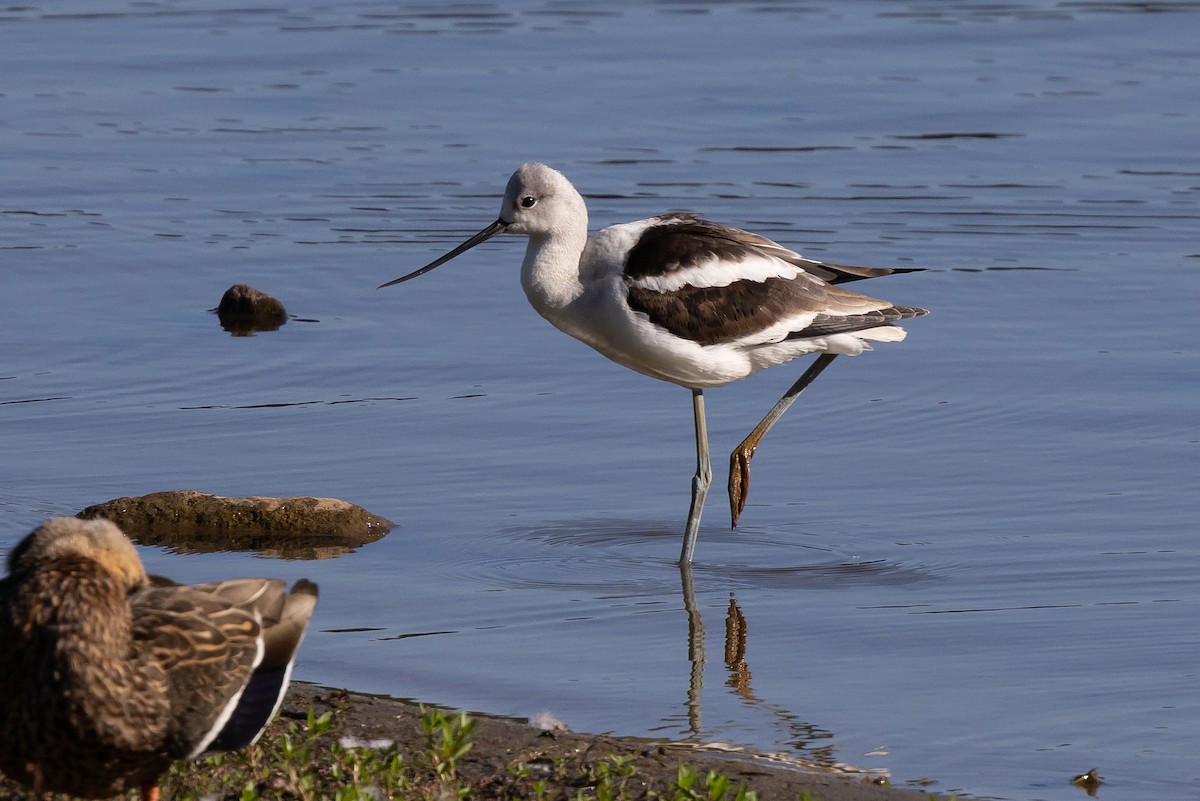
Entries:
{"x":208,"y":649}
{"x":283,"y":617}
{"x":284,"y":613}
{"x":713,"y":315}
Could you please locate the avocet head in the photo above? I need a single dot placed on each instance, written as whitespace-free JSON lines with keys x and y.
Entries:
{"x":538,"y":202}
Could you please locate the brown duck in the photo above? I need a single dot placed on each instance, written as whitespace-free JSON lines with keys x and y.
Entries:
{"x":108,"y":675}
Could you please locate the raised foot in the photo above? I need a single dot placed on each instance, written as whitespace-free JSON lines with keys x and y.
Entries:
{"x":739,"y":482}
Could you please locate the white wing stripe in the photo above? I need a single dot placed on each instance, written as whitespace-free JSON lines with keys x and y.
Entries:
{"x":718,"y":273}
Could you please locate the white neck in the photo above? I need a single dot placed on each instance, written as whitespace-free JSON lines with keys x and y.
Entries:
{"x":550,"y":272}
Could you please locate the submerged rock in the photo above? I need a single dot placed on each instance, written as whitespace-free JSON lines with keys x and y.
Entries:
{"x":1088,"y":782}
{"x":193,"y":521}
{"x":244,"y":310}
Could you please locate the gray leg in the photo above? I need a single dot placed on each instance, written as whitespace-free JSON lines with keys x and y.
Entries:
{"x":739,"y":460}
{"x":700,"y":481}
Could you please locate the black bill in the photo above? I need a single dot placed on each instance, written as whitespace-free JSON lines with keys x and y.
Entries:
{"x":487,"y":233}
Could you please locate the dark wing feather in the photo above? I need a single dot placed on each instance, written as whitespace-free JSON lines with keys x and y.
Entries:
{"x":724,"y":314}
{"x":254,"y":710}
{"x":712,"y":315}
{"x":845,"y":273}
{"x":827,"y":324}
{"x":685,"y":240}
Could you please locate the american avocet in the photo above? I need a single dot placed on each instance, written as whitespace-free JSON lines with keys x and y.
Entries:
{"x":108,"y":675}
{"x":685,"y":300}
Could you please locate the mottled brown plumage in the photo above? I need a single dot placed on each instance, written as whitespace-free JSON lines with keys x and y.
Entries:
{"x":107,"y":675}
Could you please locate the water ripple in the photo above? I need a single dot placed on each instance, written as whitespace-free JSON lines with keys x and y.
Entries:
{"x":629,"y":558}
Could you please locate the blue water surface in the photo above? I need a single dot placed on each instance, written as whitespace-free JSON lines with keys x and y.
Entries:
{"x":969,"y":557}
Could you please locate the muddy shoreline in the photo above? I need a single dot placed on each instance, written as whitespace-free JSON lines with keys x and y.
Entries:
{"x":503,"y":742}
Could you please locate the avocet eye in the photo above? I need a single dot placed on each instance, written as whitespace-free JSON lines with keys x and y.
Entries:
{"x":528,"y":202}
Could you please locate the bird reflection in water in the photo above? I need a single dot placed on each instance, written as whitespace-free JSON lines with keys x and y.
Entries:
{"x":814,"y":742}
{"x":695,"y":648}
{"x":735,"y":651}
